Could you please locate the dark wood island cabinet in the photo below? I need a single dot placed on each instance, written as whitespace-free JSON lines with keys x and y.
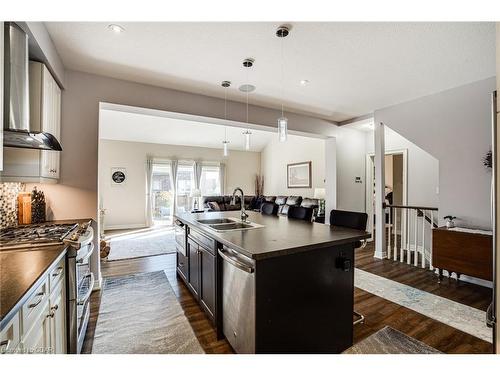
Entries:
{"x":284,"y":287}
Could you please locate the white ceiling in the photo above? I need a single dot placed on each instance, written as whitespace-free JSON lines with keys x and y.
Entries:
{"x":134,"y":127}
{"x":353,"y":68}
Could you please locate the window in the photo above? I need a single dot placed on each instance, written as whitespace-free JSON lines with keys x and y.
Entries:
{"x":162,"y":193}
{"x":185,"y":184}
{"x":210,"y":183}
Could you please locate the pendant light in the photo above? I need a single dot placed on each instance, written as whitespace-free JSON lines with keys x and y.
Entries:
{"x":225,"y":142}
{"x":247,"y":63}
{"x":282,"y":33}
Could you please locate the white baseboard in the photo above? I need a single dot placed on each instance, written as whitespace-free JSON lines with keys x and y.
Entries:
{"x":470,"y":279}
{"x":125,"y":226}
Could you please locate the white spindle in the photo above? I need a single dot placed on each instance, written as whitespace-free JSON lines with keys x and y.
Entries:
{"x":415,"y":254}
{"x":432,"y":234}
{"x":423,"y":238}
{"x":403,"y":228}
{"x":395,"y":220}
{"x":389,"y":249}
{"x":408,"y":237}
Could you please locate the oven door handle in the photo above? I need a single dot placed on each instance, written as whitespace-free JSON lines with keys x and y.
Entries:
{"x":81,"y":301}
{"x":86,"y":256}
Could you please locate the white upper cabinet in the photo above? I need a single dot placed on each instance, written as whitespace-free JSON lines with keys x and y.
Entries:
{"x":45,"y":114}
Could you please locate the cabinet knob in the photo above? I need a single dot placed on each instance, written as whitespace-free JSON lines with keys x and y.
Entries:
{"x":51,"y":315}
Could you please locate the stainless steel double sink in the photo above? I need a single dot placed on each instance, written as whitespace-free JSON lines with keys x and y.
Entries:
{"x":228,"y":224}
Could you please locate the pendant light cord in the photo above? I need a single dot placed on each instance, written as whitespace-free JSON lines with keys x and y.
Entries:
{"x":225,"y":113}
{"x":247,"y":97}
{"x":282,"y":76}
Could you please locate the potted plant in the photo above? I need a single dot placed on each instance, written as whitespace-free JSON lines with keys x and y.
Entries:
{"x":449,"y":221}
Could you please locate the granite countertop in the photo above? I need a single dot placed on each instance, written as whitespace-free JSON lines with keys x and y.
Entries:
{"x":22,"y":269}
{"x":279,"y":236}
{"x":20,"y":273}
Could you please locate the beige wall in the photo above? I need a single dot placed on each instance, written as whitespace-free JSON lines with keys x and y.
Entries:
{"x":276,"y":155}
{"x":125,"y":205}
{"x":79,"y":132}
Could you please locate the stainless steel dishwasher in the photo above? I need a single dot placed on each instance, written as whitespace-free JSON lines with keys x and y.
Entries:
{"x":238,"y":300}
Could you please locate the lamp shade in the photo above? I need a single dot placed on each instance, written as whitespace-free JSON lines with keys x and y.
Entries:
{"x":319,"y":193}
{"x":196,"y":193}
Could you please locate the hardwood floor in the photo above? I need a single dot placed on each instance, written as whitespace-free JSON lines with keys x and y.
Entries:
{"x":378,"y":311}
{"x":469,"y":294}
{"x":199,"y":322}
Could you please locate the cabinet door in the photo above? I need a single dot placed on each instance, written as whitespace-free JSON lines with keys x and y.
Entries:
{"x":37,"y":340}
{"x":207,"y":289}
{"x":51,"y":122}
{"x":194,"y":262}
{"x":58,"y":320}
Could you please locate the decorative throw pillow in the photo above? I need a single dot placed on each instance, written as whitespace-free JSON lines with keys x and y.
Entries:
{"x":214,"y":206}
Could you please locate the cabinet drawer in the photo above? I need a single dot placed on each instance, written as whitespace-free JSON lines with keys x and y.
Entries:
{"x":11,"y":335}
{"x":203,"y":240}
{"x":56,"y":274}
{"x":34,"y":305}
{"x":182,"y":263}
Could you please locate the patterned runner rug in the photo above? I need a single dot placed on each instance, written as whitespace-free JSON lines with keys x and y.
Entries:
{"x":140,"y":314}
{"x":390,"y":341}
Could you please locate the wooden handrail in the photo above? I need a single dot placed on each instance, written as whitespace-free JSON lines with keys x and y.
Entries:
{"x":409,"y":207}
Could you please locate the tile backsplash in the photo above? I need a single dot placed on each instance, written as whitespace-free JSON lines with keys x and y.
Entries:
{"x":8,"y":202}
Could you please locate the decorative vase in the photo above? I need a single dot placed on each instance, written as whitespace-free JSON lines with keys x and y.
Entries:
{"x":37,"y":206}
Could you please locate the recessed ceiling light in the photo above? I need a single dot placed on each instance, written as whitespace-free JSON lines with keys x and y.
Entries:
{"x":246,"y":88}
{"x":116,"y":28}
{"x":304,"y":82}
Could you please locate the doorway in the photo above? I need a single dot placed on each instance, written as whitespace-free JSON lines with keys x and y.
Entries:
{"x":396,"y":189}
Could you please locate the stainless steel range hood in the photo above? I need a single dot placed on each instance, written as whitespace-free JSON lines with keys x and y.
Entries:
{"x":16,"y":95}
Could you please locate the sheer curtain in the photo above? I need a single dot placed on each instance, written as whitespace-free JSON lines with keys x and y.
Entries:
{"x":149,"y":191}
{"x":197,"y":174}
{"x":222,"y":177}
{"x":174,"y":164}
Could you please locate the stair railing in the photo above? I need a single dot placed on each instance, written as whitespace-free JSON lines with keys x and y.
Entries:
{"x":409,"y":234}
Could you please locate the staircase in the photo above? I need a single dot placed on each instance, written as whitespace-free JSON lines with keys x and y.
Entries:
{"x":409,"y":234}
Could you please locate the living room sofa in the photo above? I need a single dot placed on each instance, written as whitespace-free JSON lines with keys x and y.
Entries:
{"x":223,"y":202}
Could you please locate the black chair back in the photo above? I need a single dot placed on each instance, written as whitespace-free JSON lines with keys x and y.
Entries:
{"x":269,"y":208}
{"x":349,"y":219}
{"x":302,"y":213}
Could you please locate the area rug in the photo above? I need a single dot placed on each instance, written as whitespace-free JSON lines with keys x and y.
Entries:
{"x":139,"y":314}
{"x":457,"y":315}
{"x":142,"y":243}
{"x":390,"y":341}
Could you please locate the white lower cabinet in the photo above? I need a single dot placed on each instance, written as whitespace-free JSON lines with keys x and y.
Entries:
{"x":58,"y":320}
{"x":37,"y":340}
{"x":39,"y":327}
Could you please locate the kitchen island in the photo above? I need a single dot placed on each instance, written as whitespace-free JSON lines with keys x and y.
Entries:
{"x":281,"y":286}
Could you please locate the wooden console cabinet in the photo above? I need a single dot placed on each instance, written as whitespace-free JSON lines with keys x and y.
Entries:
{"x":463,"y":253}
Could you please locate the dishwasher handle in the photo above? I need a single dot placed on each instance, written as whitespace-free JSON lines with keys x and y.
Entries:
{"x":235,"y":262}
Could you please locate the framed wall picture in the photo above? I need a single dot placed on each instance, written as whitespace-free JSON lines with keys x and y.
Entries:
{"x":299,"y":175}
{"x":118,"y":176}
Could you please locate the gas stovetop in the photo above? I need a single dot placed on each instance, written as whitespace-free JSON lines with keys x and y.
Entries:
{"x":34,"y":235}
